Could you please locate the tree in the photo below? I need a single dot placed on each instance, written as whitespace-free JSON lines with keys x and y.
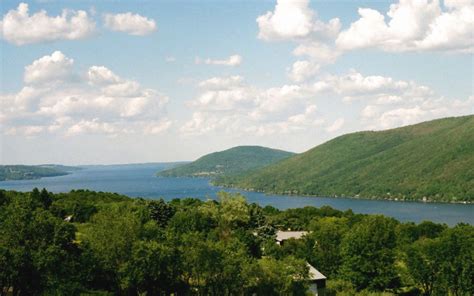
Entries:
{"x":233,"y":210}
{"x":111,"y":235}
{"x":37,"y":250}
{"x":368,"y":254}
{"x":457,"y":253}
{"x":160,"y":211}
{"x":3,"y":198}
{"x":45,"y":198}
{"x":257,"y":217}
{"x":281,"y":277}
{"x":423,"y":262}
{"x":327,"y":235}
{"x":154,"y":269}
{"x":444,"y":263}
{"x":191,"y":220}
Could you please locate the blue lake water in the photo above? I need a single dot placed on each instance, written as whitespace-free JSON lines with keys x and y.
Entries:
{"x":140,"y":181}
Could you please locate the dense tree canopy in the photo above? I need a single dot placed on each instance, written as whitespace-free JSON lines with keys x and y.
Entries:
{"x":90,"y":243}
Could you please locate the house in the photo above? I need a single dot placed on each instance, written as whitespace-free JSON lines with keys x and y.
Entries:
{"x":281,"y":236}
{"x":317,"y":280}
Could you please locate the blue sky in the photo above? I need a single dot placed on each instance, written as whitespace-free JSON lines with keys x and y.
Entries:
{"x":140,"y":81}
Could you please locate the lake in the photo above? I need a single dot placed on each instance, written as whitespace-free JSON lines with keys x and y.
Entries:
{"x":140,"y":181}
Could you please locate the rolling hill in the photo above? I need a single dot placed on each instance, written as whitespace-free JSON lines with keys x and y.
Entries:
{"x":431,"y":161}
{"x":231,"y":162}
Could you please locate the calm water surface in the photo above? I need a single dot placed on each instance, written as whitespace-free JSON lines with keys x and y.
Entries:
{"x":140,"y":181}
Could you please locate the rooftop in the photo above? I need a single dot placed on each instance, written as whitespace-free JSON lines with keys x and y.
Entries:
{"x":284,"y":235}
{"x":314,"y":274}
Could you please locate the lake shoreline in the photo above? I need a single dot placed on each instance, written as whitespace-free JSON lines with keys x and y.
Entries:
{"x":141,"y":181}
{"x":463,"y":202}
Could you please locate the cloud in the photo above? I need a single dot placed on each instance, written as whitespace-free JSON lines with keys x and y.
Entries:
{"x":294,"y":20}
{"x":20,"y":28}
{"x":100,"y":75}
{"x":49,"y":69}
{"x":413,"y":26}
{"x":336,"y":125}
{"x":93,"y":126}
{"x":412,"y":111}
{"x":302,"y":70}
{"x":290,"y":19}
{"x":223,"y":93}
{"x":157,"y":127}
{"x":222,"y":82}
{"x":57,"y":99}
{"x":354,"y":86}
{"x":317,"y":51}
{"x":232,"y":61}
{"x":229,"y":105}
{"x":133,"y":24}
{"x":409,"y":25}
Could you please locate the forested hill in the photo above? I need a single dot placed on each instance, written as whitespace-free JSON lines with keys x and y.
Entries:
{"x":233,"y":161}
{"x":23,"y":172}
{"x":428,"y":161}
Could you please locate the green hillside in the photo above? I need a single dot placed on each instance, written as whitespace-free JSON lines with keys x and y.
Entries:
{"x":24,"y":172}
{"x":431,"y":160}
{"x":231,"y":162}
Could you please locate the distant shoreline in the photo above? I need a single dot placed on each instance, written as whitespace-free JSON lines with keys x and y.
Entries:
{"x":347,"y":197}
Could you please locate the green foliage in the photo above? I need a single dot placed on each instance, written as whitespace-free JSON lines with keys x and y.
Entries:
{"x":227,"y":247}
{"x":233,"y":210}
{"x":282,"y":277}
{"x":231,"y":162}
{"x":153,"y":269}
{"x":444,"y":263}
{"x":160,"y":212}
{"x":112,"y":233}
{"x":368,"y":254}
{"x":327,"y":234}
{"x":37,"y":253}
{"x":432,"y":160}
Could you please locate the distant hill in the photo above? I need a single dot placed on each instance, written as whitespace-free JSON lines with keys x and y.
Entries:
{"x":428,"y":161}
{"x":25,"y":172}
{"x":60,"y":167}
{"x":231,"y":162}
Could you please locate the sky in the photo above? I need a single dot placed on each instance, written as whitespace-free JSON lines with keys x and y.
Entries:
{"x":102,"y":82}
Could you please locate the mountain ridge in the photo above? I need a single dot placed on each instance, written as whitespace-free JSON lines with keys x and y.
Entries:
{"x":431,"y":161}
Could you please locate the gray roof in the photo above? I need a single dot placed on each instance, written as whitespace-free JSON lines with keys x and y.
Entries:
{"x":314,"y":274}
{"x":284,"y":235}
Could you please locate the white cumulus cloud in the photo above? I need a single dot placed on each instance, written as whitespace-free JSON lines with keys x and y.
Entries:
{"x":294,"y":20}
{"x":97,"y":101}
{"x":413,"y":25}
{"x":302,"y":70}
{"x":20,"y":28}
{"x":52,"y":68}
{"x":133,"y":24}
